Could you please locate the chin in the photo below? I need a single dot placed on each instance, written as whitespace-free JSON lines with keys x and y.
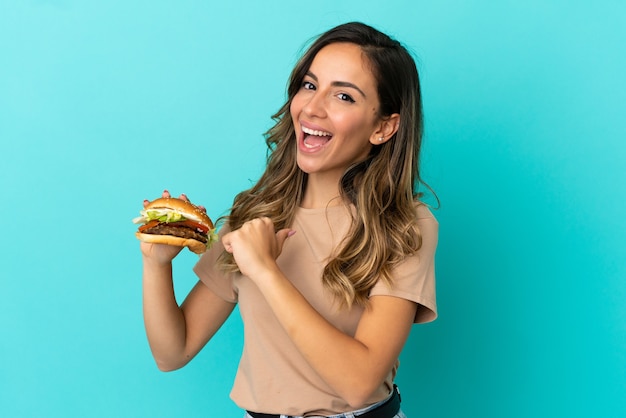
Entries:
{"x":304,"y":167}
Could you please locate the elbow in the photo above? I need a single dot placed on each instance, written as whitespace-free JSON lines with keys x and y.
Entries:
{"x":166,"y":367}
{"x":358,"y":395}
{"x":170,"y":360}
{"x":169,"y":366}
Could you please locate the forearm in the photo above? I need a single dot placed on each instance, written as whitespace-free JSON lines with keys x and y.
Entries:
{"x":347,"y":364}
{"x":163,"y":319}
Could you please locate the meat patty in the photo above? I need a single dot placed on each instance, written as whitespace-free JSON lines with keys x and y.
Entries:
{"x":177,"y":231}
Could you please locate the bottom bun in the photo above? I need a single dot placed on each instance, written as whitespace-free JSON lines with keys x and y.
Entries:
{"x":194,"y":245}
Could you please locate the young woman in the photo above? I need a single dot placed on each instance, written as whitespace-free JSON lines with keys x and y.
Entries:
{"x":330,"y":256}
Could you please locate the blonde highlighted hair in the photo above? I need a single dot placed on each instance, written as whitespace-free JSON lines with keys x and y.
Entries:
{"x":382,"y":188}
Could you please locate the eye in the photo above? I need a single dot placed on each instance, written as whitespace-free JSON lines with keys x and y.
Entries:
{"x":345,"y":97}
{"x":307,"y":85}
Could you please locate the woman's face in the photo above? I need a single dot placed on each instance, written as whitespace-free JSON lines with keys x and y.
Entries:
{"x":335,"y":112}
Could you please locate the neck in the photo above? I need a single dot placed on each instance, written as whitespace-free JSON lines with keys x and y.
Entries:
{"x":320,"y":192}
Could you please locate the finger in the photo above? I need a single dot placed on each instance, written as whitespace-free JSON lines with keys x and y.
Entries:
{"x":262,"y":222}
{"x":202,"y":208}
{"x":145,"y":202}
{"x":227,"y":244}
{"x":166,"y":193}
{"x":183,"y":196}
{"x":281,"y":237}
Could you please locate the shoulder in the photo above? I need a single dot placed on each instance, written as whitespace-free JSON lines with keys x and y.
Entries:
{"x":423,"y":212}
{"x":427,"y":224}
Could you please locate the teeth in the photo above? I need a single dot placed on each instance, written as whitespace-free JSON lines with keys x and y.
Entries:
{"x":314,"y":132}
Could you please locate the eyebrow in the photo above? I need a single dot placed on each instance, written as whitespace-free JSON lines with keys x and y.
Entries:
{"x":339,"y":84}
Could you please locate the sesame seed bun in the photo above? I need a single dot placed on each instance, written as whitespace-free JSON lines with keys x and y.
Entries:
{"x":186,"y":208}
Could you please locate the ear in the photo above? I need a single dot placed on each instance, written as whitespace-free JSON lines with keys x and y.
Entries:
{"x":387,"y":127}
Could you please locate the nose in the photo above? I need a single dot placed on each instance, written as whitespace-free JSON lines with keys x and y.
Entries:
{"x":315,"y":105}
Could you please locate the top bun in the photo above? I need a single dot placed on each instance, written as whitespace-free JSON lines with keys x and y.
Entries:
{"x":184,"y":207}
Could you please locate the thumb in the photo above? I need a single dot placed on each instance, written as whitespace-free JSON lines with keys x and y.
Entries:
{"x":281,"y":237}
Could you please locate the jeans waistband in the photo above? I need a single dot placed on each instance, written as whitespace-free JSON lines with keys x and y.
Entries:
{"x":389,"y":409}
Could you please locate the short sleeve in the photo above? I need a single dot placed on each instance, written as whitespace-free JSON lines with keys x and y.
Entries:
{"x":221,"y":283}
{"x":414,"y":278}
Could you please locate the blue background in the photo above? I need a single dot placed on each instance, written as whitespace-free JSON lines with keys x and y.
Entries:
{"x":525,"y":146}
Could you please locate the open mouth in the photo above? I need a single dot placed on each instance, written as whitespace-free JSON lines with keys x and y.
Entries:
{"x":314,"y":138}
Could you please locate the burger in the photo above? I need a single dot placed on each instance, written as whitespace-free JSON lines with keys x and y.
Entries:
{"x":174,"y":221}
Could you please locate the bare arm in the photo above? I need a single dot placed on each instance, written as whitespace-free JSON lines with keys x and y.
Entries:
{"x":176,"y":333}
{"x":354,"y":366}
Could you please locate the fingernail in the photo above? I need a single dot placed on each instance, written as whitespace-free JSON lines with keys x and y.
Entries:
{"x":291,"y":233}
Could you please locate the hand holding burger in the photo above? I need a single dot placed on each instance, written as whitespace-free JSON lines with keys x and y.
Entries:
{"x":176,"y":221}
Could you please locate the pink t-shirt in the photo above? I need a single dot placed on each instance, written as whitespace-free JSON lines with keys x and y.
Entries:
{"x":273,"y":377}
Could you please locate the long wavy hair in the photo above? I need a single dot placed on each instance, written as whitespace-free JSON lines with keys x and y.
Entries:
{"x":382,"y":189}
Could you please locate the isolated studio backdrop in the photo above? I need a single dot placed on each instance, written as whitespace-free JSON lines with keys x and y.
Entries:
{"x":105,"y":103}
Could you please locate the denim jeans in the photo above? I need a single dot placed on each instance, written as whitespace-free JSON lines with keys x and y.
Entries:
{"x":351,"y":414}
{"x":400,"y":414}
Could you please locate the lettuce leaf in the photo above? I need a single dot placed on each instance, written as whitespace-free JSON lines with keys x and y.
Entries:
{"x":164,"y":216}
{"x":213,"y":237}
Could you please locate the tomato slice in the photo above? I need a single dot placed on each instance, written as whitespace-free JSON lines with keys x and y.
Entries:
{"x":148,"y":225}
